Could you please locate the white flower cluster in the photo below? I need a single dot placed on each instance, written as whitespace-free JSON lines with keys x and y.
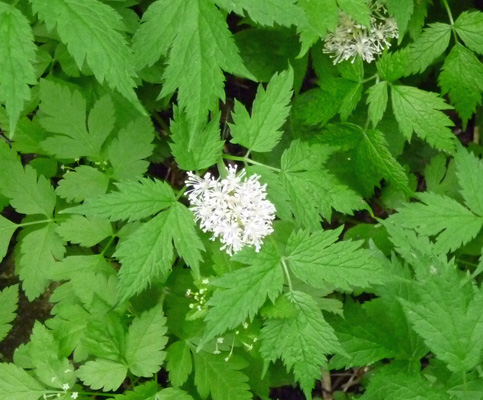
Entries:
{"x":352,"y":39}
{"x":235,"y":209}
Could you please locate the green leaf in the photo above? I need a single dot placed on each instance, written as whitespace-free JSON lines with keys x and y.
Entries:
{"x":269,"y":12}
{"x":240,"y":294}
{"x":52,"y":370}
{"x":320,"y":16}
{"x":102,"y":374}
{"x":16,"y":384}
{"x":469,"y":171}
{"x":8,"y":300}
{"x":91,"y":31}
{"x":28,"y":193}
{"x":128,"y":151}
{"x":261,"y":132}
{"x":82,"y":183}
{"x":173,"y":394}
{"x":377,"y":101}
{"x":39,"y":249}
{"x":462,"y":79}
{"x":146,"y":391}
{"x":179,"y":363}
{"x":220,"y":378}
{"x":447,"y":317}
{"x":64,"y":113}
{"x":357,"y":9}
{"x":373,"y":159}
{"x":392,"y":66}
{"x":148,"y":252}
{"x":361,"y":338}
{"x":7,"y":228}
{"x":401,"y":386}
{"x":311,"y":189}
{"x":185,"y":238}
{"x":205,"y":147}
{"x":301,"y":342}
{"x":413,"y":109}
{"x":317,"y":260}
{"x":145,"y":342}
{"x":469,"y":26}
{"x":428,"y":47}
{"x":86,"y":232}
{"x":133,"y":201}
{"x":441,"y":216}
{"x":401,"y":11}
{"x":200,"y":49}
{"x":350,"y":101}
{"x":17,"y":55}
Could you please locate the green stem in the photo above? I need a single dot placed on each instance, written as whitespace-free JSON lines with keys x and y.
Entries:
{"x":287,"y":274}
{"x":181,"y":192}
{"x":249,"y":161}
{"x":371,"y":78}
{"x":96,"y":394}
{"x":35,"y":222}
{"x":451,"y":20}
{"x":107,"y":245}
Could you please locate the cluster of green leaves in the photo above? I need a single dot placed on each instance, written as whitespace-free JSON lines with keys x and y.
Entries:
{"x":104,"y":107}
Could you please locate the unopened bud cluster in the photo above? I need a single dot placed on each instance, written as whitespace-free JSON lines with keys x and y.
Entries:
{"x":235,"y":209}
{"x":352,"y":39}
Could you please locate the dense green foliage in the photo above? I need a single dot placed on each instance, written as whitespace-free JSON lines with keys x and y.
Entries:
{"x":369,"y":286}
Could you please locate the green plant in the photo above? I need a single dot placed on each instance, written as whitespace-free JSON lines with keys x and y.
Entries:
{"x":364,"y":127}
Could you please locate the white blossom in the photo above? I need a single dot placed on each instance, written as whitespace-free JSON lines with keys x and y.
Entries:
{"x":351,"y":40}
{"x":235,"y":209}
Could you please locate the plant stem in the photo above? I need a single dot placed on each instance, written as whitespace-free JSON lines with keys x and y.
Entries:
{"x":107,"y":245}
{"x":451,"y":20}
{"x":249,"y":161}
{"x":181,"y":192}
{"x":35,"y":222}
{"x":285,"y":269}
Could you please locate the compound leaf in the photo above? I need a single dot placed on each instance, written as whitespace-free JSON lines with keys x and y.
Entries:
{"x":302,"y":342}
{"x":102,"y":374}
{"x":179,"y":363}
{"x":469,"y":171}
{"x":64,"y":113}
{"x":145,"y":343}
{"x":17,"y":54}
{"x":462,"y":79}
{"x":441,"y":216}
{"x":86,"y":232}
{"x":428,"y":47}
{"x":261,"y":132}
{"x":317,"y":260}
{"x":200,"y":49}
{"x":242,"y":293}
{"x":282,"y":12}
{"x":16,"y":384}
{"x":133,"y":201}
{"x":205,"y":147}
{"x":469,"y":26}
{"x":91,"y":31}
{"x":413,"y":109}
{"x":220,"y":378}
{"x":28,"y":193}
{"x":8,"y":300}
{"x":82,"y":183}
{"x":7,"y":228}
{"x":39,"y":249}
{"x":448,"y":320}
{"x":127,"y":152}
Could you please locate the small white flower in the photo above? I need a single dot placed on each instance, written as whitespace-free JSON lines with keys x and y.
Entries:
{"x":351,"y":40}
{"x":235,"y":209}
{"x":65,"y":386}
{"x":74,"y":395}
